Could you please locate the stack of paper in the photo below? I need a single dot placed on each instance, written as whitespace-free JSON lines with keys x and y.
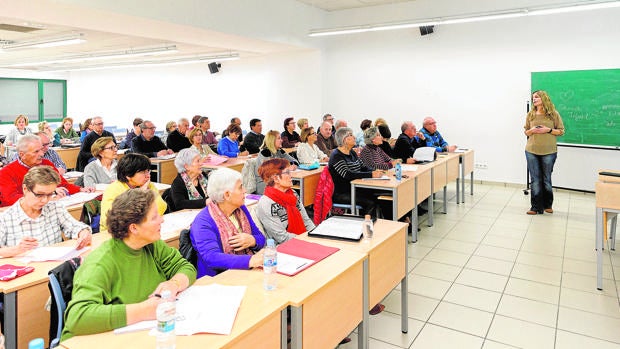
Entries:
{"x":178,"y":220}
{"x":77,"y":198}
{"x":214,"y":160}
{"x":52,"y":253}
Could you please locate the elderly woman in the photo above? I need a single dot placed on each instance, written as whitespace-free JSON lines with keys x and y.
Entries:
{"x":290,"y":138}
{"x":35,"y":221}
{"x":307,"y":151}
{"x":223,"y":233}
{"x":103,"y":169}
{"x":229,"y":146}
{"x":372,"y":155}
{"x":20,"y":130}
{"x":120,"y":281}
{"x":271,"y":149}
{"x":302,"y":124}
{"x":132,"y":171}
{"x":279,"y":210}
{"x":189,"y":188}
{"x":170,"y":127}
{"x":345,"y":166}
{"x":66,"y":132}
{"x":195,"y":137}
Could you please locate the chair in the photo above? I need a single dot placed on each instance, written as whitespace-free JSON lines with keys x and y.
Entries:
{"x":60,"y":286}
{"x":186,"y":248}
{"x":323,"y":204}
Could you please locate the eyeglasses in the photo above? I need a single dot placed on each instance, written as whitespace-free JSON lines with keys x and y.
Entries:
{"x":291,"y":123}
{"x":43,"y":195}
{"x":113,"y":147}
{"x":329,"y":119}
{"x":150,"y":128}
{"x":286,"y":172}
{"x":46,"y":144}
{"x":98,"y":124}
{"x":312,"y":133}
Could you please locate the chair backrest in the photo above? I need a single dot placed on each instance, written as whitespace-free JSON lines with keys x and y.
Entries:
{"x":248,"y":172}
{"x":168,"y":199}
{"x":323,"y":196}
{"x":60,"y":286}
{"x":186,"y":248}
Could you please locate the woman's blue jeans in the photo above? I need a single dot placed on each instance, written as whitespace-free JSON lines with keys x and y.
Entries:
{"x":540,"y":168}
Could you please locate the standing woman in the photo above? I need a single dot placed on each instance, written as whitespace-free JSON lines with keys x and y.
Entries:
{"x":21,"y":129}
{"x":542,"y":125}
{"x":66,"y":132}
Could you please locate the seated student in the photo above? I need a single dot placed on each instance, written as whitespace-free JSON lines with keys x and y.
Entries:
{"x":387,"y":143}
{"x":302,"y":124}
{"x":115,"y":285}
{"x":280,"y":210}
{"x":85,"y":129}
{"x":237,"y":122}
{"x":45,"y":127}
{"x":66,"y":132}
{"x":229,"y":146}
{"x":189,"y":188}
{"x":372,"y":155}
{"x":307,"y":151}
{"x":223,"y":233}
{"x":171,"y":126}
{"x":85,"y":156}
{"x":408,"y":141}
{"x":178,"y":139}
{"x":359,"y":138}
{"x":149,"y":144}
{"x":35,"y":221}
{"x":102,"y":170}
{"x":133,"y":171}
{"x":196,"y":137}
{"x":254,"y":138}
{"x":325,"y":139}
{"x":271,"y":149}
{"x":135,"y":132}
{"x":434,"y":138}
{"x":290,"y":137}
{"x":16,"y":133}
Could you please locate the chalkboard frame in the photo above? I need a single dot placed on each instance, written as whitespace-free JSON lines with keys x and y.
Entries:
{"x":593,"y":85}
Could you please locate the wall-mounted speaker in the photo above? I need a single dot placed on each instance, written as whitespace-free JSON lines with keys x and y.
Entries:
{"x":214,"y":67}
{"x":427,"y":29}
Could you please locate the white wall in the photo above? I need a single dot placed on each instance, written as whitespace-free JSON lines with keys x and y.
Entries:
{"x":475,"y":80}
{"x":269,"y":88}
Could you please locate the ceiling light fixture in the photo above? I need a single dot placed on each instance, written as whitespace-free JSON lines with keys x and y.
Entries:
{"x":177,"y":61}
{"x":52,"y":41}
{"x":478,"y":17}
{"x":137,"y":52}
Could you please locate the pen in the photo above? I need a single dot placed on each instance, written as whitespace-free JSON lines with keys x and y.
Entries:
{"x":299,"y":267}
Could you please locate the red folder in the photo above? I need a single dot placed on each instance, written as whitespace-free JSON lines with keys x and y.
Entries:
{"x":304,"y":249}
{"x":10,"y":272}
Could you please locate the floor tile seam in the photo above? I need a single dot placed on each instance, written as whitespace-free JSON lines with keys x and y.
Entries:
{"x":589,"y":336}
{"x":591,"y":312}
{"x":456,"y":330}
{"x":557,"y":318}
{"x":613,"y":274}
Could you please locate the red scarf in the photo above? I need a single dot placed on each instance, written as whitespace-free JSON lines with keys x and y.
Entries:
{"x":288,"y":200}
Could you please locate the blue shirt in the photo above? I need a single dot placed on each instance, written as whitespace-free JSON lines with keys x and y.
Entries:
{"x":435,"y":140}
{"x":228,"y":147}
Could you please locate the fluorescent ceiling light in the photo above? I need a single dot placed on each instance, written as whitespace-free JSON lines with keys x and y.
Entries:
{"x":177,"y":61}
{"x":52,"y":41}
{"x":478,"y":17}
{"x":139,"y":52}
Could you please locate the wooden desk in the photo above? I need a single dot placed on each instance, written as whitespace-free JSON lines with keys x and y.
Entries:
{"x":68,"y":155}
{"x":453,"y":169}
{"x":308,"y":181}
{"x":166,"y":171}
{"x":467,"y":166}
{"x":607,"y":205}
{"x":401,"y":192}
{"x":387,"y":266}
{"x":423,"y":189}
{"x":258,"y":324}
{"x":232,"y":163}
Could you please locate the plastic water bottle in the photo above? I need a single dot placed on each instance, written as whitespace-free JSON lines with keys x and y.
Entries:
{"x":166,"y":317}
{"x":36,"y":343}
{"x":270,"y":266}
{"x":398,"y":171}
{"x":367,"y":228}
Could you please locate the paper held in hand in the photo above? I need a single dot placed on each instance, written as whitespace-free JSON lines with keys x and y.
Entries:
{"x":424,"y":154}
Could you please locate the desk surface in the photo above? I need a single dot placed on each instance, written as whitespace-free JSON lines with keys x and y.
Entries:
{"x":232,"y":163}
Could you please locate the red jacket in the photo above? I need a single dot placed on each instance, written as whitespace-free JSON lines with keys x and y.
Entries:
{"x":323,"y":196}
{"x":12,"y":177}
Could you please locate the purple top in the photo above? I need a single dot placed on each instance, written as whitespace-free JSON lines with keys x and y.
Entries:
{"x":212,"y":260}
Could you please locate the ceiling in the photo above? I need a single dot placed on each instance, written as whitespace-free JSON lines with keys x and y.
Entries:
{"x":336,"y":5}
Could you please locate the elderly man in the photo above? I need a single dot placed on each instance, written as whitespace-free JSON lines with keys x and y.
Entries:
{"x":325,"y":139}
{"x":85,"y":156}
{"x":177,"y":139}
{"x":408,"y":141}
{"x":208,"y":137}
{"x":30,"y":154}
{"x":33,"y":221}
{"x":50,"y":154}
{"x":254,"y":139}
{"x":149,"y":144}
{"x":329,"y":118}
{"x":433,"y":137}
{"x":340,"y":123}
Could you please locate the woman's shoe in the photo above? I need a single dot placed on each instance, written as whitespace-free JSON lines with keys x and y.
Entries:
{"x":377,"y":309}
{"x":532,"y":212}
{"x":549,"y":210}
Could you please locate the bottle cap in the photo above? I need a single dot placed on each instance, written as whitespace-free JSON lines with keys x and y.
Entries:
{"x":36,"y":343}
{"x":367,"y":217}
{"x":271,"y":243}
{"x":165,"y":294}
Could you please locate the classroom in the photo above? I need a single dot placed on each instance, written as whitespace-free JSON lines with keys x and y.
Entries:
{"x":512,"y":274}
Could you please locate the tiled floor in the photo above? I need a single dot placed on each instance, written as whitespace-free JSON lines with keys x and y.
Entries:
{"x":487,"y":275}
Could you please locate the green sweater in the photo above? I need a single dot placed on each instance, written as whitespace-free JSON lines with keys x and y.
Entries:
{"x":114,"y":275}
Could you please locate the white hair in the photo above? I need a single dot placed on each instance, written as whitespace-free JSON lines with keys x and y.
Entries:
{"x":22,"y":144}
{"x":185,"y":157}
{"x":221,"y":181}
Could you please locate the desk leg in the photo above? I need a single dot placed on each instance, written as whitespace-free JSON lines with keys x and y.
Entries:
{"x":404,"y":291}
{"x":296,"y":329}
{"x":612,"y":231}
{"x":10,"y":320}
{"x":599,"y":248}
{"x":364,"y":327}
{"x":431,"y":200}
{"x":353,"y":208}
{"x":283,"y":329}
{"x":301,"y":192}
{"x":471,"y":184}
{"x":445,"y":198}
{"x":414,"y":214}
{"x":458,"y":191}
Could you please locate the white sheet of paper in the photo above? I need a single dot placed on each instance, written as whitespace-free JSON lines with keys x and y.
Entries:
{"x":384,"y":177}
{"x":77,"y":198}
{"x":424,"y":154}
{"x":139,"y":326}
{"x":289,"y":264}
{"x":178,"y":220}
{"x":339,"y":227}
{"x":409,"y":168}
{"x":53,"y":253}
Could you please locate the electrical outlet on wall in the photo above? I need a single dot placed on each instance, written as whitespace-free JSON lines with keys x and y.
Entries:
{"x":481,"y":166}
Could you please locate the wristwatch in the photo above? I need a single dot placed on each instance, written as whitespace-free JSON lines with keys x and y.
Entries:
{"x":550,"y":130}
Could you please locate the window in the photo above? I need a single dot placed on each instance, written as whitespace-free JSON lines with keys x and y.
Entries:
{"x":38,"y":99}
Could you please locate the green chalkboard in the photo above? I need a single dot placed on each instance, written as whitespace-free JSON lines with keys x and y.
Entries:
{"x":588,"y":101}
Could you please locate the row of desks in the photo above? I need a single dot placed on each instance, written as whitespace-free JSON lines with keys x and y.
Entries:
{"x":327,"y":301}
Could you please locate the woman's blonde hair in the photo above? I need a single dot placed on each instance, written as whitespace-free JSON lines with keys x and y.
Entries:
{"x":549,"y":107}
{"x":192,"y":133}
{"x":21,"y":116}
{"x":301,"y":122}
{"x":99,"y":144}
{"x":270,"y":141}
